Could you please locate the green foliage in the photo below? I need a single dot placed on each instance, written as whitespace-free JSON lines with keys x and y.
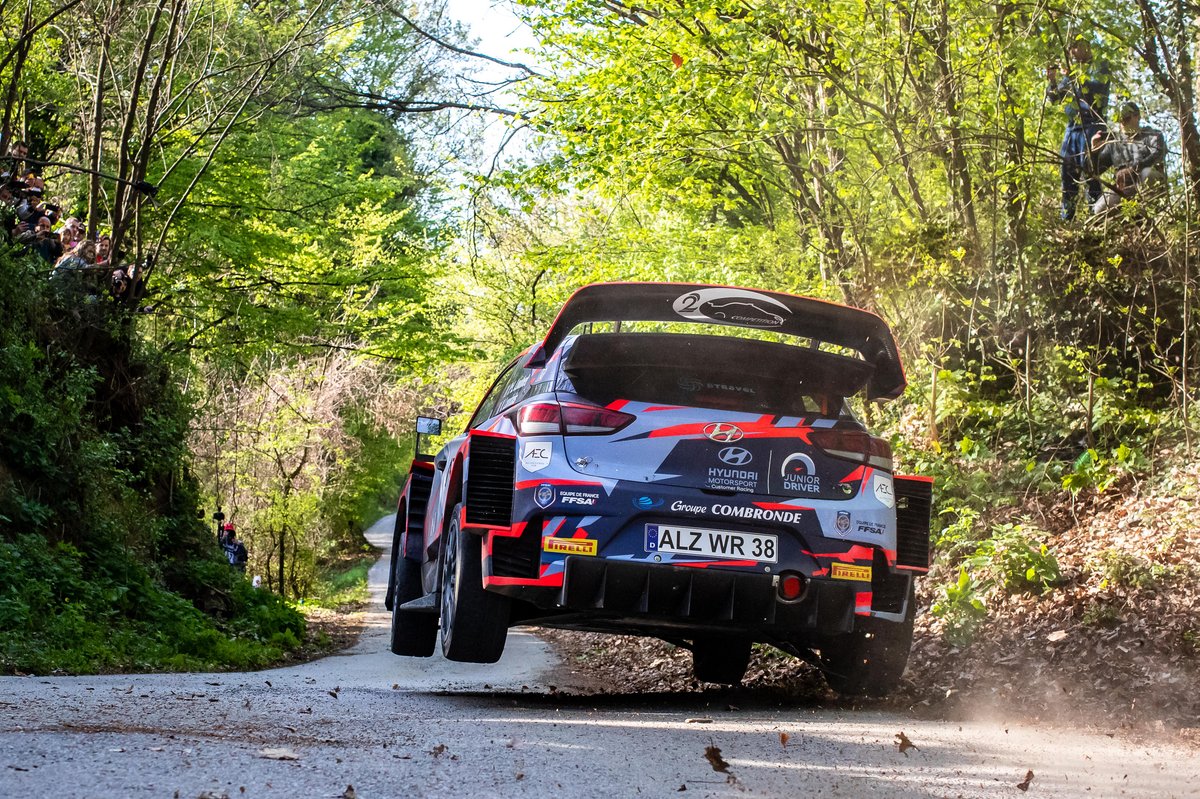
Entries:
{"x":961,"y":607}
{"x":103,"y":563}
{"x":1006,"y":557}
{"x":342,"y":582}
{"x":1129,"y":571}
{"x":61,"y":609}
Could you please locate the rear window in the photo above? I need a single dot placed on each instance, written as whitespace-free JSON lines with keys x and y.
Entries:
{"x":733,"y":374}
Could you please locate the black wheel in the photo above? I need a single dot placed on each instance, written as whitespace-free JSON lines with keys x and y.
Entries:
{"x":413,"y":634}
{"x":721,"y":660}
{"x":474,"y":621}
{"x":869,"y":661}
{"x":389,"y":598}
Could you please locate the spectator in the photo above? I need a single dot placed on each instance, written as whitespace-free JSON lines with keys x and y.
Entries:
{"x":103,"y":250}
{"x":1085,"y":88}
{"x":18,"y":152}
{"x":45,"y":243}
{"x":235,"y":552}
{"x":72,"y":273}
{"x":71,"y":233}
{"x":224,"y":532}
{"x":8,"y":214}
{"x":1136,"y":152}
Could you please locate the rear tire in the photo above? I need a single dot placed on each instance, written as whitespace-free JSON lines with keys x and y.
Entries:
{"x":871,"y":660}
{"x":474,"y":620}
{"x":413,"y":634}
{"x":720,"y":660}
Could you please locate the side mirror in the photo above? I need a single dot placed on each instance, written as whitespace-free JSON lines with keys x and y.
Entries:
{"x":426,"y":426}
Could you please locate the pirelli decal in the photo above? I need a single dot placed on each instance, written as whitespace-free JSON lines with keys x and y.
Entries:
{"x":845,"y":571}
{"x":576,"y":546}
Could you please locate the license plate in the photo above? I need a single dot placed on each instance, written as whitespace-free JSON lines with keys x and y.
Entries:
{"x":712,"y":543}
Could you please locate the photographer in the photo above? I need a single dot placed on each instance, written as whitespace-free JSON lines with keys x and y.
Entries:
{"x":43,"y":241}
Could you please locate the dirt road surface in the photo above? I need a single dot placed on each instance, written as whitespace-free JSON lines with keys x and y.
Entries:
{"x":393,"y":727}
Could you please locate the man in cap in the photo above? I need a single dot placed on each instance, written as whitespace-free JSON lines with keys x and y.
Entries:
{"x":1083,"y":90}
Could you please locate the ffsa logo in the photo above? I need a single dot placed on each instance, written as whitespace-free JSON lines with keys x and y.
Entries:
{"x":735,"y":456}
{"x":723,"y":432}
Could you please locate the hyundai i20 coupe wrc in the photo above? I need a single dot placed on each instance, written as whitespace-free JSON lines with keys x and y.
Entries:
{"x":677,"y":461}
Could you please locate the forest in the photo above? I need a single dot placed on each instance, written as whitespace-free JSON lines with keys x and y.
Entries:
{"x":330,"y":217}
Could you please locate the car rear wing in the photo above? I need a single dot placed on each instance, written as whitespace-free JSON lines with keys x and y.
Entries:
{"x":816,"y":320}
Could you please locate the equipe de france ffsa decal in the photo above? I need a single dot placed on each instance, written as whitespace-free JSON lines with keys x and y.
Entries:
{"x":535,"y":455}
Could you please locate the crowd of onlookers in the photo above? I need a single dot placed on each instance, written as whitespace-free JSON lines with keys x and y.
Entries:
{"x":80,"y":265}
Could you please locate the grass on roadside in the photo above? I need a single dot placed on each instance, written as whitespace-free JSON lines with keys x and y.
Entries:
{"x":342,"y":583}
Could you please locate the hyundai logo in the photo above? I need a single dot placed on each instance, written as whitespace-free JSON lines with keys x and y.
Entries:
{"x":723,"y":432}
{"x":735,"y":456}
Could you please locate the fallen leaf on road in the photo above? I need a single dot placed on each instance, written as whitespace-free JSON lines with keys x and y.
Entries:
{"x":783,"y":739}
{"x":520,"y":775}
{"x":713,"y":755}
{"x":681,"y":788}
{"x":904,"y":744}
{"x":1024,"y":786}
{"x":18,"y":768}
{"x":268,"y":682}
{"x":349,"y":793}
{"x":334,"y":692}
{"x":438,"y":750}
{"x":278,"y":754}
{"x":395,"y":686}
{"x":1056,"y":636}
{"x":697,"y":721}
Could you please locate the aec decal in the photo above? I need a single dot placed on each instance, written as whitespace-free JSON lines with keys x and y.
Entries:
{"x":883,"y":490}
{"x":535,"y":455}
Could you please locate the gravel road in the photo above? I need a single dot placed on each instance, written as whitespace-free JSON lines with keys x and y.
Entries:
{"x":393,"y":726}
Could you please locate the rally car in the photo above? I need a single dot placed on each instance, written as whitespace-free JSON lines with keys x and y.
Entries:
{"x":678,"y":461}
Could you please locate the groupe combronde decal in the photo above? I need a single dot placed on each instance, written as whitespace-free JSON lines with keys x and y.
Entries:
{"x":732,"y":307}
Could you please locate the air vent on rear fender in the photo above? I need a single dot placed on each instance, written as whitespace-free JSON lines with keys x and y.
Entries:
{"x":913,"y":500}
{"x":490,"y":469}
{"x":518,"y":556}
{"x":888,"y":591}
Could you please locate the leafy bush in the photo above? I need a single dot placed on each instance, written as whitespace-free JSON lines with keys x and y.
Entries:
{"x":103,"y":563}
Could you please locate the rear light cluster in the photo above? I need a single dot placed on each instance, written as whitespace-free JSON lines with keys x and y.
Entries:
{"x":567,"y":418}
{"x":854,"y":446}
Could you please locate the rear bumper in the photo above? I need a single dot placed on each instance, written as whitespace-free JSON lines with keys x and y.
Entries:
{"x":657,"y":596}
